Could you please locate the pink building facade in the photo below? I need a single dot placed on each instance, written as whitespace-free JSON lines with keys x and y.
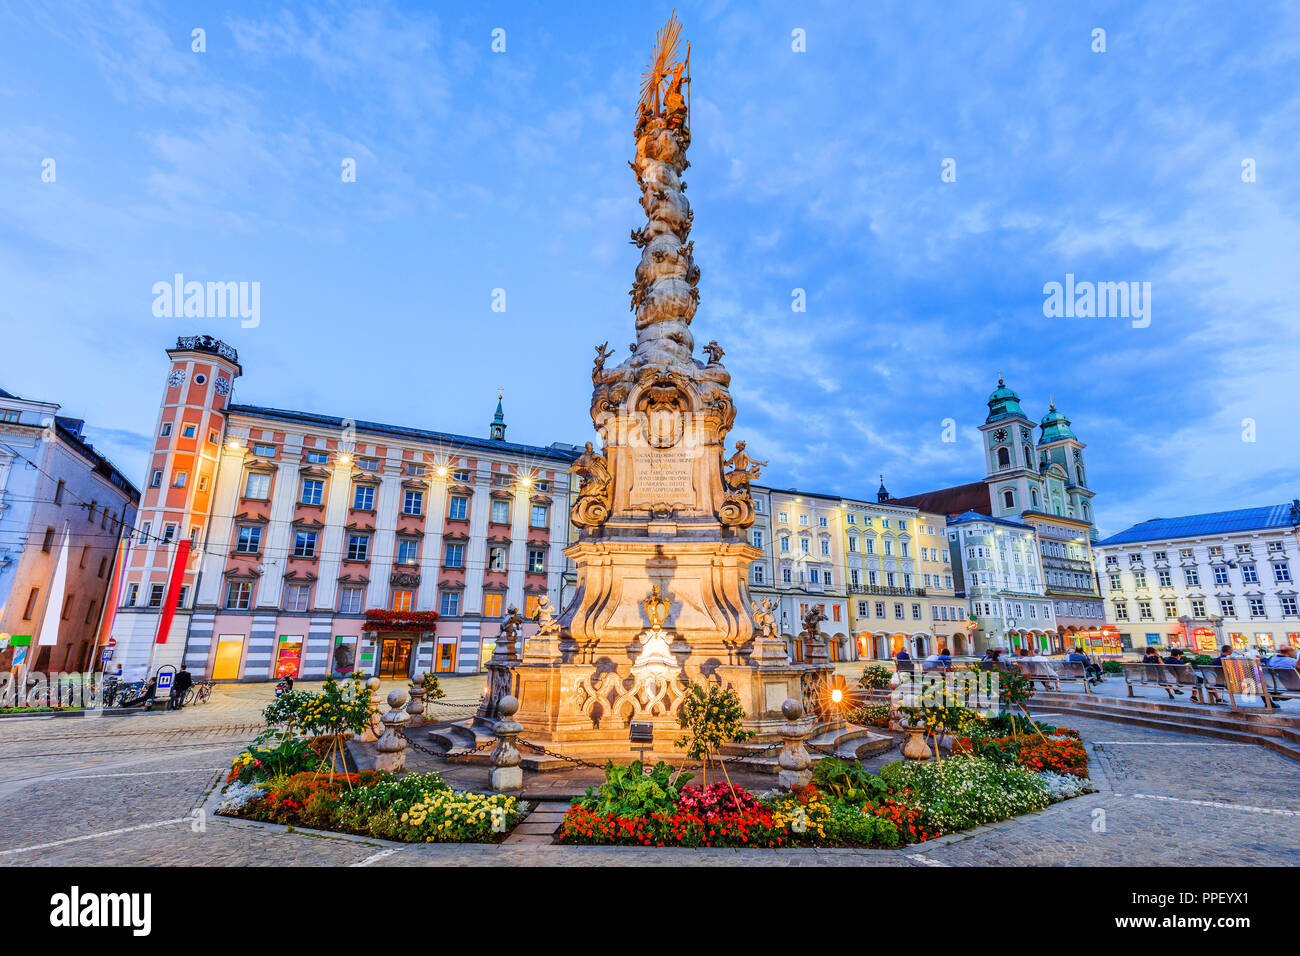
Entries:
{"x":321,"y":544}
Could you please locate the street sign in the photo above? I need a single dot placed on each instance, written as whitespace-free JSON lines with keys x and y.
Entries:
{"x":166,"y":674}
{"x":107,"y":655}
{"x":111,"y":642}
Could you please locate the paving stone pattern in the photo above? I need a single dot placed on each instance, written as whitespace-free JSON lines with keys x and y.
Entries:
{"x":124,"y":791}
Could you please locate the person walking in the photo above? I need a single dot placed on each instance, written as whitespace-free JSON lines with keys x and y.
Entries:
{"x":180,"y":685}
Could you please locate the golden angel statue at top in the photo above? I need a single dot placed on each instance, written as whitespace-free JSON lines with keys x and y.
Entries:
{"x":655,"y":97}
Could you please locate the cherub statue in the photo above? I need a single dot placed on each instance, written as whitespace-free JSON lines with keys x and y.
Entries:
{"x":812,"y":621}
{"x":743,"y":469}
{"x":509,"y":636}
{"x":714,"y":352}
{"x":546,"y":617}
{"x":765,"y":617}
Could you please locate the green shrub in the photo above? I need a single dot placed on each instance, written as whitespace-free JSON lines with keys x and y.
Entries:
{"x":847,"y":782}
{"x":869,"y":715}
{"x":875,"y":677}
{"x":1112,"y":667}
{"x":630,"y":792}
{"x":850,"y":823}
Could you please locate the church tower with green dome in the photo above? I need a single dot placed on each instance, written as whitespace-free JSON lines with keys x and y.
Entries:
{"x":1011,"y":473}
{"x":1061,"y":459}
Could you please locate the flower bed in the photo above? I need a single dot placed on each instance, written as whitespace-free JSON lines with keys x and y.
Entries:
{"x":1061,"y":752}
{"x":416,"y":808}
{"x":907,"y":802}
{"x":288,"y":778}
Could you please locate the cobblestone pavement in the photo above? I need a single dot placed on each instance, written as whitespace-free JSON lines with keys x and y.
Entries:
{"x":125,"y":791}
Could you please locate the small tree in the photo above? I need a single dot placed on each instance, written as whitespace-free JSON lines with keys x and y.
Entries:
{"x":712,"y":718}
{"x":335,"y":711}
{"x":432,"y":689}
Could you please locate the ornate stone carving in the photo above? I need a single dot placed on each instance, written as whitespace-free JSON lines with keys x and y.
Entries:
{"x":641,"y":697}
{"x":816,"y":645}
{"x":507,"y":647}
{"x":737,"y":506}
{"x":769,"y":649}
{"x":592,"y":507}
{"x":544,"y":646}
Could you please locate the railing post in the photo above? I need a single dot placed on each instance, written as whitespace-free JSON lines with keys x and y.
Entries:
{"x":391,"y":748}
{"x":506,"y":772}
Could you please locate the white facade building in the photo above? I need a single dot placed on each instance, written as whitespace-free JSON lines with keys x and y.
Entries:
{"x":998,"y":570}
{"x":1202,"y":581}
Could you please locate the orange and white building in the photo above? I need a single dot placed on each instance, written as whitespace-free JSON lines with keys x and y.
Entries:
{"x":323,"y":544}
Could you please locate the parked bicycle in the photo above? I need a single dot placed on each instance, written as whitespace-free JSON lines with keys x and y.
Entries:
{"x":201,"y":692}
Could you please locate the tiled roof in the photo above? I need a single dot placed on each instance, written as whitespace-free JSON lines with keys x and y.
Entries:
{"x":1206,"y":525}
{"x":978,"y":516}
{"x":949,"y":501}
{"x":561,"y":453}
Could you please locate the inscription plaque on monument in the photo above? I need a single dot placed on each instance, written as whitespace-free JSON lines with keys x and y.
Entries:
{"x":663,"y":475}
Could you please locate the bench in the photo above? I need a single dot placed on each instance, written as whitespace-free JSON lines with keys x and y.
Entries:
{"x":1052,"y":673}
{"x":1284,"y":683}
{"x":1171,"y":678}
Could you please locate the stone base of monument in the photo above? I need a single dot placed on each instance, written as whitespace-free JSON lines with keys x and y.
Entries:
{"x":469,"y":741}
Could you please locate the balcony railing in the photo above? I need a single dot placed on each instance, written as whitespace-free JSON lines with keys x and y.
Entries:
{"x":887,"y":591}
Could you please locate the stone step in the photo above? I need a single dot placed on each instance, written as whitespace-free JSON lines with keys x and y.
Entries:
{"x":1285,"y":745}
{"x":1264,"y":724}
{"x":540,"y":826}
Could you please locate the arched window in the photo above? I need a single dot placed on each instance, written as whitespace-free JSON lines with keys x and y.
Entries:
{"x":1004,"y":457}
{"x":1009,"y":498}
{"x":1078,"y":471}
{"x":1033,"y":497}
{"x":1029,"y":457}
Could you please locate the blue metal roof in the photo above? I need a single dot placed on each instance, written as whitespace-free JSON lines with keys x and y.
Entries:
{"x":460,"y":441}
{"x":1206,"y":525}
{"x":968,"y":516}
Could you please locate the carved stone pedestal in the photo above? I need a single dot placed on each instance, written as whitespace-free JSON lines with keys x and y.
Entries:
{"x":506,"y":772}
{"x":390,"y":751}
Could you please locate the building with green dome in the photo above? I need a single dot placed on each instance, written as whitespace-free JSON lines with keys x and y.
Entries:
{"x":1035,"y":475}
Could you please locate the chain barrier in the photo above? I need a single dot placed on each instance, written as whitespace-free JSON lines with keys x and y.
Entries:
{"x":538,"y":748}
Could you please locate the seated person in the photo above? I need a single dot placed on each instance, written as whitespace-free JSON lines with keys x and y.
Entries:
{"x":1091,"y":671}
{"x":1283,"y":659}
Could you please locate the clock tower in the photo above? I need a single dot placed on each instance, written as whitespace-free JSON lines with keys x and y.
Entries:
{"x":177,"y":498}
{"x":1012,"y":474}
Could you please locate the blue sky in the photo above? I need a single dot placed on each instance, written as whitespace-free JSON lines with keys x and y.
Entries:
{"x":817,"y":170}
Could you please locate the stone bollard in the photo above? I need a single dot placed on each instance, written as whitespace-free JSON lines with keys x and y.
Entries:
{"x":793,"y":759}
{"x":391,"y":749}
{"x":374,"y":727}
{"x":416,"y":707}
{"x":506,"y":772}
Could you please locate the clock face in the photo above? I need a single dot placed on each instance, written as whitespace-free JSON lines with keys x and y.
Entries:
{"x":1024,"y":433}
{"x":1000,"y":435}
{"x":1078,"y":455}
{"x":176,"y":377}
{"x":223,"y":385}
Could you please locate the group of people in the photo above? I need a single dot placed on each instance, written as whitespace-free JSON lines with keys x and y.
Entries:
{"x":942,"y":660}
{"x":1284,"y":658}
